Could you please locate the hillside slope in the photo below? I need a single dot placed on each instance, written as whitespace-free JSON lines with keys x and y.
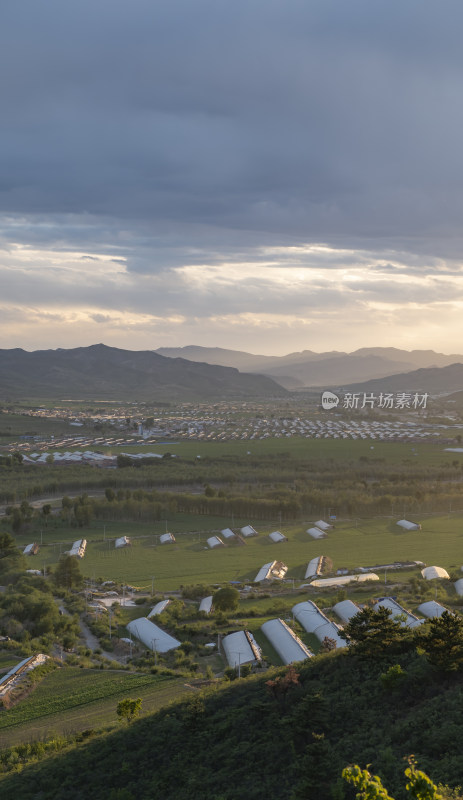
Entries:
{"x":434,"y":381}
{"x":243,"y":742}
{"x":310,"y":369}
{"x":110,"y":373}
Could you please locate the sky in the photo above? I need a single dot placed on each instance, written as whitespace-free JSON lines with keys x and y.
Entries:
{"x":259,"y":175}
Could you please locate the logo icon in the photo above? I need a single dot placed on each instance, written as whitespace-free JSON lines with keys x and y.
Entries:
{"x":329,"y":400}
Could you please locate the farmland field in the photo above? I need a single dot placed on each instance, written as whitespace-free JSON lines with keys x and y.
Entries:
{"x":351,"y":544}
{"x":73,"y":699}
{"x":299,"y":447}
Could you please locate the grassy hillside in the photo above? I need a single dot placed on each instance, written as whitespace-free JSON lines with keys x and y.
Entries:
{"x":240,"y":741}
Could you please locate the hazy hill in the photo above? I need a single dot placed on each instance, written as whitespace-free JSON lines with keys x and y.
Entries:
{"x":308,"y":369}
{"x":434,"y":381}
{"x":110,"y":373}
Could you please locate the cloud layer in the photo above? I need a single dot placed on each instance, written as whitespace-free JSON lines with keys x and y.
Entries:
{"x":266,"y":175}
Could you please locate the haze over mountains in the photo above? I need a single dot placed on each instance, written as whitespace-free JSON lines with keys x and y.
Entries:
{"x":434,"y":381}
{"x":101,"y":372}
{"x":105,"y":372}
{"x":310,"y":369}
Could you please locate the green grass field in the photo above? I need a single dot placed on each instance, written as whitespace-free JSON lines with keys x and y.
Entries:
{"x":301,"y":448}
{"x":72,"y":699}
{"x":14,"y":425}
{"x":350,"y":544}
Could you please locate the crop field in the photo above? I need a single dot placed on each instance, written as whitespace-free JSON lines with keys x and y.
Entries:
{"x":301,"y":448}
{"x":351,"y":544}
{"x":14,"y":425}
{"x":72,"y":699}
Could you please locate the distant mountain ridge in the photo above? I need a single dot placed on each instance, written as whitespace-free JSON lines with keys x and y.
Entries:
{"x":105,"y":372}
{"x":309,"y":369}
{"x":433,"y":381}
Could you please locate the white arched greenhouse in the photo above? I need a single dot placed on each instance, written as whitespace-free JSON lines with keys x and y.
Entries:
{"x":345,"y":610}
{"x":433,"y":573}
{"x":241,"y":648}
{"x":288,"y":646}
{"x":158,"y":608}
{"x":409,"y":620}
{"x":206,"y":604}
{"x":431,"y":609}
{"x":153,"y":637}
{"x":315,"y":621}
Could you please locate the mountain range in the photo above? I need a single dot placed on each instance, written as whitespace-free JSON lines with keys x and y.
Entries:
{"x":307,"y":369}
{"x":101,"y":372}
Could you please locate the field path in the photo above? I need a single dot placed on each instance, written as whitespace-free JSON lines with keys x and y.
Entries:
{"x":93,"y":643}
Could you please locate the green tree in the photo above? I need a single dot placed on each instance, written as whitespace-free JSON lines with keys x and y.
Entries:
{"x":128,"y":709}
{"x":370,"y":632}
{"x":226,"y":599}
{"x":124,"y":461}
{"x":67,"y":573}
{"x":316,"y":766}
{"x":419,"y":786}
{"x":442,"y":641}
{"x":393,"y":678}
{"x":46,"y":511}
{"x":26,"y":509}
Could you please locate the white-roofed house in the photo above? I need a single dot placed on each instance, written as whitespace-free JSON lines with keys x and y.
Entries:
{"x":288,"y":646}
{"x":459,"y":586}
{"x":241,"y":648}
{"x":227,"y":533}
{"x":152,"y":636}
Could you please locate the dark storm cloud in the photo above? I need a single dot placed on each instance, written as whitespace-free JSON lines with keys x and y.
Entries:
{"x":174,"y":129}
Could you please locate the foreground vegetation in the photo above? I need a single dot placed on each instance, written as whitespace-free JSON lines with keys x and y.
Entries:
{"x":288,"y":734}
